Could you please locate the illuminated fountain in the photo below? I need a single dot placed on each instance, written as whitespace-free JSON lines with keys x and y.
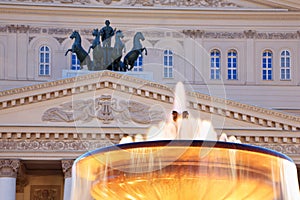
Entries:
{"x":183,"y":160}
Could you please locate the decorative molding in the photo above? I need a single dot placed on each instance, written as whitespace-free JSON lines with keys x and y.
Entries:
{"x":289,"y":149}
{"x":249,"y":34}
{"x":9,"y":168}
{"x":194,"y":33}
{"x":67,"y":167}
{"x":60,"y":31}
{"x":53,"y":145}
{"x":78,"y":79}
{"x":247,"y":112}
{"x":15,"y":28}
{"x":146,"y":3}
{"x":277,"y":36}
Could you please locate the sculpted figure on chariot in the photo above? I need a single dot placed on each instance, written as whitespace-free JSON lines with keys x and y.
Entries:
{"x":106,"y":57}
{"x":106,"y":33}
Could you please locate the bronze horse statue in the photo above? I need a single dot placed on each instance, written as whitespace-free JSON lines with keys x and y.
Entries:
{"x":98,"y":52}
{"x":137,"y":50}
{"x":81,"y":54}
{"x":117,"y":53}
{"x":96,"y":41}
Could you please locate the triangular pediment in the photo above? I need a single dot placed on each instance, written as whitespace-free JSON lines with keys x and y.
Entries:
{"x":107,"y":99}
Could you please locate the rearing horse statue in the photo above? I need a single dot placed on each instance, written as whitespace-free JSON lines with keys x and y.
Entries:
{"x":81,"y":54}
{"x":97,"y":51}
{"x":96,"y":41}
{"x":137,"y":50}
{"x":117,"y":52}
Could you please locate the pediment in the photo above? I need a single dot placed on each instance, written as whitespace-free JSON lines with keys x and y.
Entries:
{"x":108,"y":100}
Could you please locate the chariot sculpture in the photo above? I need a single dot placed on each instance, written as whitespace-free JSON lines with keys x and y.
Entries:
{"x":105,"y":56}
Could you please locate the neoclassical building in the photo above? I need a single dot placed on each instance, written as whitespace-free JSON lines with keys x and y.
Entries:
{"x":238,"y":60}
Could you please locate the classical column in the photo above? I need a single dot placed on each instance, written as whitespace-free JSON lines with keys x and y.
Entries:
{"x":8,"y":178}
{"x":67,"y":169}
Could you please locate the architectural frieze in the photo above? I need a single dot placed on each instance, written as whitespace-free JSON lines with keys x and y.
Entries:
{"x":277,"y":36}
{"x":161,"y":3}
{"x":248,"y":34}
{"x":289,"y":149}
{"x":52,"y":146}
{"x":9,"y":168}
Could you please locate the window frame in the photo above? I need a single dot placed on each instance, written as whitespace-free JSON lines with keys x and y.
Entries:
{"x":232,"y":64}
{"x":44,"y":64}
{"x":285,"y":66}
{"x":215,"y":64}
{"x":267,"y":65}
{"x":75,"y":62}
{"x":168,"y":62}
{"x":138,"y":64}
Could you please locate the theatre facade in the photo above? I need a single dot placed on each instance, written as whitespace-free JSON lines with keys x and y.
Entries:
{"x":238,"y":60}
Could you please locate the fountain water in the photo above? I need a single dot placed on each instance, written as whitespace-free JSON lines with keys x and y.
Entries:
{"x":182,"y":159}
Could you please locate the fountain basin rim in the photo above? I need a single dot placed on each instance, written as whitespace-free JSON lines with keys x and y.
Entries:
{"x":181,"y":143}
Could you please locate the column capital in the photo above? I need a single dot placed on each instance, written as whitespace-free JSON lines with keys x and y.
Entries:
{"x":67,"y":167}
{"x":9,"y":168}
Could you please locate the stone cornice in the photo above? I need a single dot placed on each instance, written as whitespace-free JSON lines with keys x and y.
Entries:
{"x":81,"y":79}
{"x":244,"y":112}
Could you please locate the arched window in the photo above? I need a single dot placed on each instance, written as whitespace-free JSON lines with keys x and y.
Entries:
{"x":215,"y":65}
{"x":138,"y":64}
{"x":232,"y":65}
{"x":285,"y":65}
{"x":44,"y":61}
{"x":75,"y":63}
{"x":267,"y":65}
{"x":168,"y":64}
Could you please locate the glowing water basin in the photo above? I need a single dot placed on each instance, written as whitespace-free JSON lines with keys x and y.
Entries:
{"x":184,"y":170}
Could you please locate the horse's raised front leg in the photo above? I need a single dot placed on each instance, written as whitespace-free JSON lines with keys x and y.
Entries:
{"x":145,"y":50}
{"x":68,"y":51}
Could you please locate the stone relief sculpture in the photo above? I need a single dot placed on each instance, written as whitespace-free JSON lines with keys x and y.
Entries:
{"x":105,"y":109}
{"x":83,"y":110}
{"x":45,"y":192}
{"x":105,"y":56}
